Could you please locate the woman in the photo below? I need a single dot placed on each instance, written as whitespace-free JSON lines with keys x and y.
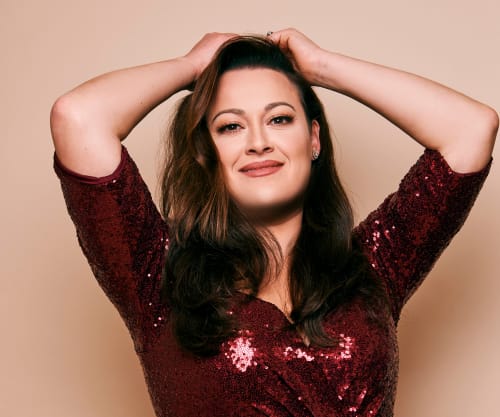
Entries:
{"x":256,"y":296}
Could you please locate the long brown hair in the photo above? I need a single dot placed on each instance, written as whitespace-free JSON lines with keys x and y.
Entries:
{"x":215,"y":251}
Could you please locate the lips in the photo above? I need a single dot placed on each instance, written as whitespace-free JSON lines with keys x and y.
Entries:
{"x":262,"y":168}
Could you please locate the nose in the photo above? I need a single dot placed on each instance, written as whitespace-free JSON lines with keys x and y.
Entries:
{"x":258,"y":142}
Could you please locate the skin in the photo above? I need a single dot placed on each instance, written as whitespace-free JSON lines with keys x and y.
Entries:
{"x":264,"y":142}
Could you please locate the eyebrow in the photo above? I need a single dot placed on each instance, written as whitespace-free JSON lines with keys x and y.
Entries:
{"x":240,"y":112}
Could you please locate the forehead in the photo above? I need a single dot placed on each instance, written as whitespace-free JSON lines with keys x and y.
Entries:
{"x":252,"y":89}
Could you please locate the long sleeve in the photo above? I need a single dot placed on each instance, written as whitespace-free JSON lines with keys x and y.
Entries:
{"x":122,"y":236}
{"x":407,"y":233}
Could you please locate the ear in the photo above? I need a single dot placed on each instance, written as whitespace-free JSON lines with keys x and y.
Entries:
{"x":315,"y":142}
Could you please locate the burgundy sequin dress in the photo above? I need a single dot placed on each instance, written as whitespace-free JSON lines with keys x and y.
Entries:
{"x":267,"y":370}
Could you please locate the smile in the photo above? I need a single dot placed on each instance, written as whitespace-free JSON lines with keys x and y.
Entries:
{"x":261,"y":169}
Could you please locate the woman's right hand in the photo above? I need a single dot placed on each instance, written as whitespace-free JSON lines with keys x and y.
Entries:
{"x":204,"y":50}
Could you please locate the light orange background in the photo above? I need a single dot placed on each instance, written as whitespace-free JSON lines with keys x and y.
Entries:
{"x":64,"y":350}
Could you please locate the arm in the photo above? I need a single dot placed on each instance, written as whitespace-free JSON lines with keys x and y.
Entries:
{"x":405,"y":235}
{"x":460,"y":128}
{"x":89,"y":122}
{"x":118,"y":226}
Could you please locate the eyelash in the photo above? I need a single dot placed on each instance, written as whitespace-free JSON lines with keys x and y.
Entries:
{"x":228,"y":128}
{"x":284,"y":120}
{"x":277,"y":120}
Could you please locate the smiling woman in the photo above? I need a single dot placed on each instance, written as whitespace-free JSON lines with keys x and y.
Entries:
{"x":258,"y":191}
{"x":254,"y":294}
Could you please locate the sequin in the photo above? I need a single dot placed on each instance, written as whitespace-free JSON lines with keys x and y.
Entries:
{"x":266,"y":369}
{"x":241,"y":352}
{"x":298,"y":353}
{"x":346,"y":345}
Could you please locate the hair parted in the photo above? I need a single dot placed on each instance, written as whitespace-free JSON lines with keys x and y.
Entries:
{"x":216,"y":252}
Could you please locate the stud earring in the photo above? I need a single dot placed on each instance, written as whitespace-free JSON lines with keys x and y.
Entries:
{"x":315,"y":154}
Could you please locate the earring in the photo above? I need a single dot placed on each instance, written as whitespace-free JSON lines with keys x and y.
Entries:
{"x":315,"y":154}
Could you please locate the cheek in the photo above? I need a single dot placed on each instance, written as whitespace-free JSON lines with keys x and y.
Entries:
{"x":225,"y":151}
{"x":227,"y":160}
{"x":298,"y":146}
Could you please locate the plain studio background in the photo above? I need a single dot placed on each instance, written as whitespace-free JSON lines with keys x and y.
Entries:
{"x":64,"y":350}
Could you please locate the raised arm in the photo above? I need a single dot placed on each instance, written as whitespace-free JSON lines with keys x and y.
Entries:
{"x":460,"y":128}
{"x":89,"y":122}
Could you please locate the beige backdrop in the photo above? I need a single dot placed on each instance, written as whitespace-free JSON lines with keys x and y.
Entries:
{"x":63,"y":349}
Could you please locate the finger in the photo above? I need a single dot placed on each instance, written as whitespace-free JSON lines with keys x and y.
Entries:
{"x":280,"y":39}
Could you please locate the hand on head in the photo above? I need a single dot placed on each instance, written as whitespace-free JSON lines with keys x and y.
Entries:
{"x":204,"y":50}
{"x":303,"y":52}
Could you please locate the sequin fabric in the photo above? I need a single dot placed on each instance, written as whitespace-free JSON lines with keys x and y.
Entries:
{"x":266,"y":369}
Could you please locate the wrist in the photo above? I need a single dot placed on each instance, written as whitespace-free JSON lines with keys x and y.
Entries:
{"x":326,"y":68}
{"x":188,"y":69}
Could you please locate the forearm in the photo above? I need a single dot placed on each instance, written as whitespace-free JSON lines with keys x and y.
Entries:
{"x":89,"y":122}
{"x":462,"y":129}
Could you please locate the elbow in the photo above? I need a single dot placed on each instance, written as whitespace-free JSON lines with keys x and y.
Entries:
{"x":480,"y":149}
{"x":482,"y":129}
{"x":474,"y":140}
{"x":488,"y":128}
{"x":65,"y":118}
{"x":493,"y":122}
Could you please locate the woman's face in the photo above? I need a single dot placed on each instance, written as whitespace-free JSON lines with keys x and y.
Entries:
{"x":264,"y":142}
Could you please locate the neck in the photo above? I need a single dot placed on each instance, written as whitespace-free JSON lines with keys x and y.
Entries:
{"x":275,"y":288}
{"x":285,"y":230}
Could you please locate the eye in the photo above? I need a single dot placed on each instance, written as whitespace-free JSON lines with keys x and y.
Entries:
{"x":228,"y":128}
{"x":281,"y":120}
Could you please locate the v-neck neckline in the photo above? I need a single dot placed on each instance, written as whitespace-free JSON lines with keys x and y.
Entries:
{"x":279,"y":320}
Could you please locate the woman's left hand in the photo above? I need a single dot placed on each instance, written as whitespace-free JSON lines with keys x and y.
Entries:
{"x":303,"y":52}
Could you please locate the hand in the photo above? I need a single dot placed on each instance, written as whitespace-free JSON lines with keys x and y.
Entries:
{"x":304,"y":53}
{"x":204,"y":50}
